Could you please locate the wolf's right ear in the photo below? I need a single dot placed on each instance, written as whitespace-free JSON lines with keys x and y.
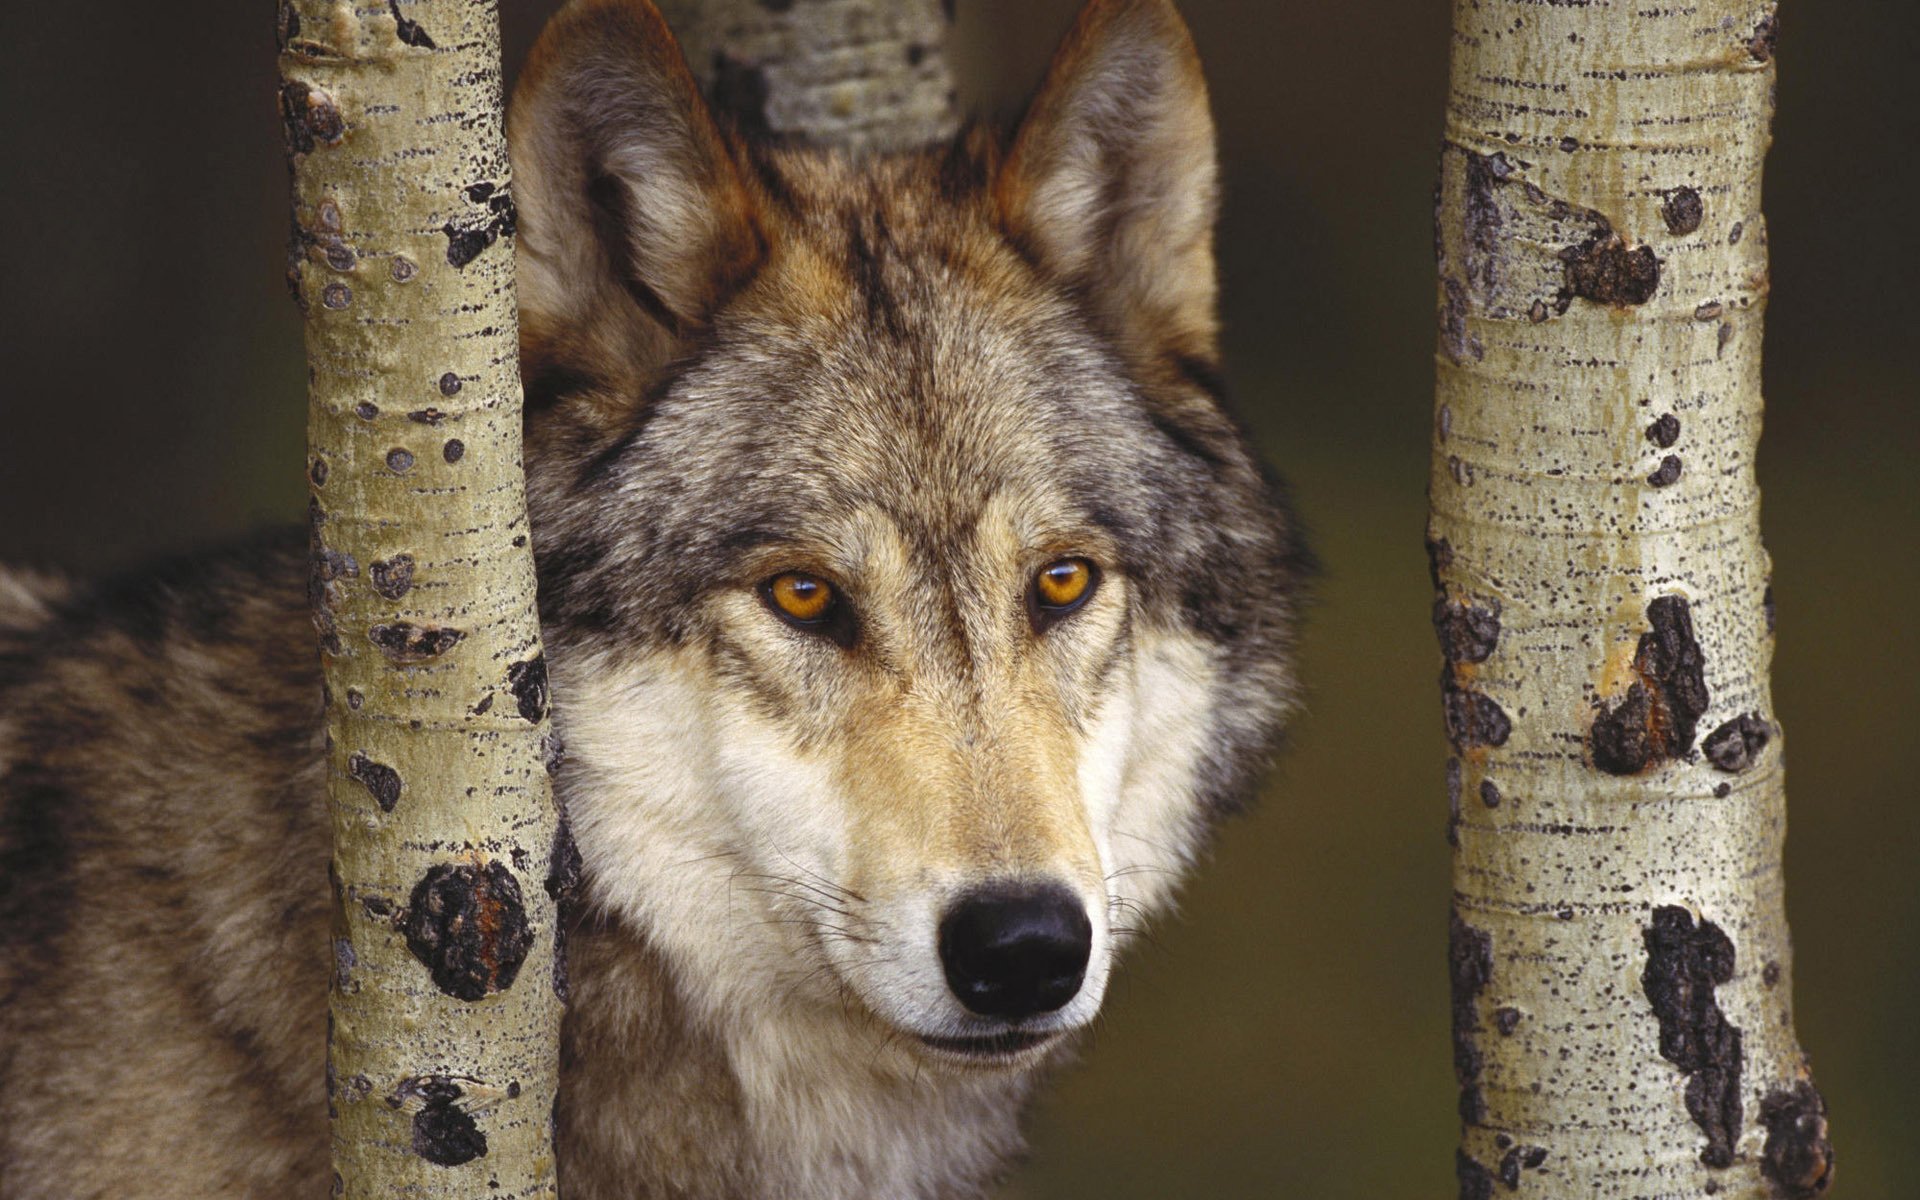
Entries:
{"x":634,"y":221}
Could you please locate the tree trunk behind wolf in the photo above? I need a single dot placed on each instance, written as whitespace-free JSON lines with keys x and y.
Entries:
{"x":862,"y":74}
{"x":448,"y":854}
{"x":1621,"y":972}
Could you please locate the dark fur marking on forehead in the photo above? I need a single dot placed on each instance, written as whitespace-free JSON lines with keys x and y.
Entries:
{"x":868,"y":241}
{"x":770,"y":178}
{"x":961,"y":176}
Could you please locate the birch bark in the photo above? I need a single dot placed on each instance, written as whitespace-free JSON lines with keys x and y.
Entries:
{"x":1620,"y":962}
{"x":445,"y":1014}
{"x":860,"y":74}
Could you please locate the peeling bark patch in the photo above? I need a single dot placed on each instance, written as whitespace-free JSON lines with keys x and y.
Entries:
{"x":408,"y":31}
{"x":344,"y":961}
{"x":1460,"y":347}
{"x":563,"y":864}
{"x":468,"y":925}
{"x":1605,"y":270}
{"x":1798,"y":1155}
{"x":405,"y":642}
{"x":1685,"y":963}
{"x":1439,"y":558}
{"x":444,"y":1133}
{"x":1454,"y":786}
{"x":1765,"y":37}
{"x":1529,"y":1157}
{"x":1473,"y":720}
{"x":1736,"y":745}
{"x":563,"y":880}
{"x":327,"y":567}
{"x":528,"y":683}
{"x":1657,"y":719}
{"x":392,"y":577}
{"x":1664,"y":432}
{"x":1668,"y":472}
{"x":1467,"y":632}
{"x":1682,"y":211}
{"x":310,"y":118}
{"x":1470,"y":967}
{"x":466,"y":244}
{"x":1483,"y":222}
{"x":377,"y":777}
{"x":1476,"y":1182}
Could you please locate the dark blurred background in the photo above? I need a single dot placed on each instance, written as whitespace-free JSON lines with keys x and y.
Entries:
{"x":1288,"y":1034}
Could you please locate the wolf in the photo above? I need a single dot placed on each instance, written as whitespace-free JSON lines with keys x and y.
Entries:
{"x":914,"y":609}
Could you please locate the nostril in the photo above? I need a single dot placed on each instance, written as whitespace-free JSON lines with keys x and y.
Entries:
{"x":1016,"y":950}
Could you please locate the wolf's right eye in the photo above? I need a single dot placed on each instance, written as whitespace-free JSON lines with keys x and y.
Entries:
{"x":800,"y":597}
{"x":809,"y":602}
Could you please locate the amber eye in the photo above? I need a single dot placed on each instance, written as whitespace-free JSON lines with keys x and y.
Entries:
{"x":802,"y":598}
{"x":1060,"y":588}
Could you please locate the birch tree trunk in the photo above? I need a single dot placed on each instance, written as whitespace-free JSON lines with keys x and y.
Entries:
{"x":444,"y":1023}
{"x":1620,"y":961}
{"x":860,"y":74}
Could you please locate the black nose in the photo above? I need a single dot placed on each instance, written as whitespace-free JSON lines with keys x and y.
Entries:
{"x":1016,"y":951}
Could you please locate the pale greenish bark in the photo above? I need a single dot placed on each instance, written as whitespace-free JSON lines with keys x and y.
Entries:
{"x":1622,"y":973}
{"x":444,"y":1020}
{"x":860,"y":74}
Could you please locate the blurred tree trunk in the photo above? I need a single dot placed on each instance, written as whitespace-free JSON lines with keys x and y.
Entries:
{"x":445,"y":1009}
{"x":862,"y":74}
{"x":1620,"y":961}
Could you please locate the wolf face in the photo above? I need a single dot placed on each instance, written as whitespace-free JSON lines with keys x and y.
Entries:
{"x":912,"y":609}
{"x":913,"y":603}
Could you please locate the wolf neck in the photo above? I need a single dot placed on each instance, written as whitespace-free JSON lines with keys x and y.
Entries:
{"x":656,"y":1102}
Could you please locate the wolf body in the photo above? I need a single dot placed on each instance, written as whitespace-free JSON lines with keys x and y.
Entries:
{"x":943,"y":389}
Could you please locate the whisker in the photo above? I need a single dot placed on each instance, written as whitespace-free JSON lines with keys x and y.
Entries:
{"x":801,"y":883}
{"x":838,"y":887}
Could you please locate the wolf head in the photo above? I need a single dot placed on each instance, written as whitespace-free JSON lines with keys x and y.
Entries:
{"x":914,"y":605}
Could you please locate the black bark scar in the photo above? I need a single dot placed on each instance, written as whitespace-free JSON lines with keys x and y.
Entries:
{"x":1685,"y":963}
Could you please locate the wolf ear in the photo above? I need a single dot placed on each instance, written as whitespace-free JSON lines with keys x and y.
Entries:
{"x":1111,"y":180}
{"x":634,"y":221}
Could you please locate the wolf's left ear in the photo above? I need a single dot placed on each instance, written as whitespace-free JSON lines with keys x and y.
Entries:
{"x":1111,"y":181}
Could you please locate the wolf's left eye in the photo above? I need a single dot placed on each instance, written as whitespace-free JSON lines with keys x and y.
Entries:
{"x":1061,"y":587}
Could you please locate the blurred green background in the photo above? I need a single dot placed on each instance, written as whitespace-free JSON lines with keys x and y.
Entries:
{"x":1288,"y":1034}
